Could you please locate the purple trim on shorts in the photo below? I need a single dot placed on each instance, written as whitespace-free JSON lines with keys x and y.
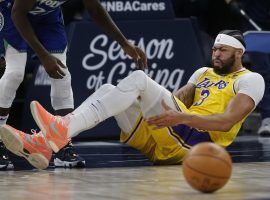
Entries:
{"x":191,"y":136}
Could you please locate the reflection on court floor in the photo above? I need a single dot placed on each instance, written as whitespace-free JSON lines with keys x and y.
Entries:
{"x":116,"y":171}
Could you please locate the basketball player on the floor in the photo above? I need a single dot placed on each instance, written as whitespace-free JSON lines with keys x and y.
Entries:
{"x":40,"y":25}
{"x":211,"y":107}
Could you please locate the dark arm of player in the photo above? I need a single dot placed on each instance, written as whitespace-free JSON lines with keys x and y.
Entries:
{"x":19,"y":16}
{"x":186,"y":94}
{"x":238,"y":108}
{"x":19,"y":13}
{"x":103,"y":19}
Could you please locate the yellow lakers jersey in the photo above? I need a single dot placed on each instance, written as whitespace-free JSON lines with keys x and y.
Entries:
{"x":212,"y":95}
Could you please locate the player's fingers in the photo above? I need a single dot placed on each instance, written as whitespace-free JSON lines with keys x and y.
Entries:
{"x":55,"y":75}
{"x":156,"y":121}
{"x":61,"y":64}
{"x":143,"y":58}
{"x":58,"y":75}
{"x":60,"y":71}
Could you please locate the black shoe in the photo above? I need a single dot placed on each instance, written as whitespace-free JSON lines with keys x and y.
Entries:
{"x":68,"y":157}
{"x":5,"y":162}
{"x":264,"y":130}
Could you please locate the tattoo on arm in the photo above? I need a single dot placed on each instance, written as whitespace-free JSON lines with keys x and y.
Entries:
{"x":186,"y":94}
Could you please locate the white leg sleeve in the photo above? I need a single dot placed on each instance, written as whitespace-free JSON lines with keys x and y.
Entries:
{"x":12,"y":77}
{"x":79,"y":123}
{"x":104,"y":89}
{"x":61,"y":91}
{"x":125,"y":120}
{"x":119,"y":99}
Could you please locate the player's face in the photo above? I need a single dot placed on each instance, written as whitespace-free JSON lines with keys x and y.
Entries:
{"x":223,"y":58}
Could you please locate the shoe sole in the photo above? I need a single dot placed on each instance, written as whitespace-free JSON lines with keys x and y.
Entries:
{"x":14,"y":144}
{"x":65,"y":164}
{"x":42,"y":128}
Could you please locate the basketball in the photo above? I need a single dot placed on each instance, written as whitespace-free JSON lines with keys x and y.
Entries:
{"x":207,"y":167}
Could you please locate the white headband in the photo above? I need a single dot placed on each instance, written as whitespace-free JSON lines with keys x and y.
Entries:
{"x":230,"y":41}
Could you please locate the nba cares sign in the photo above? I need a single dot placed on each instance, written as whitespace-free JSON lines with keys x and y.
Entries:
{"x":138,"y":9}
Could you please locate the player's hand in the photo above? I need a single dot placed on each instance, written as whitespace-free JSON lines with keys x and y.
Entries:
{"x":170,"y":117}
{"x":53,"y":66}
{"x":137,"y":54}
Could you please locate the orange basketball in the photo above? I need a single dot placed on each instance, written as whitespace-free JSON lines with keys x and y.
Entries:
{"x":207,"y":167}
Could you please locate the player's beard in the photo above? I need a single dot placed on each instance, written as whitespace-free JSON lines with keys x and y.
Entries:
{"x":225,"y":65}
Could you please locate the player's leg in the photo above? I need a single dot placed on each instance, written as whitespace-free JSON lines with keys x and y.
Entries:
{"x":53,"y":37}
{"x":136,"y":86}
{"x":11,"y":80}
{"x":24,"y":145}
{"x":9,"y":83}
{"x":14,"y":140}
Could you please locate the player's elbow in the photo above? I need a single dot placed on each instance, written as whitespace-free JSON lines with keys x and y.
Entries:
{"x":226,"y":126}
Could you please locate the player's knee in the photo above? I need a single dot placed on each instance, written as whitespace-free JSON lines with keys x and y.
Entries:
{"x":9,"y":84}
{"x":138,"y":74}
{"x":107,"y":87}
{"x":136,"y":80}
{"x":14,"y":77}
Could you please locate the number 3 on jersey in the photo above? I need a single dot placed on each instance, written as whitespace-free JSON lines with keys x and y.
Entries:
{"x":204,"y":94}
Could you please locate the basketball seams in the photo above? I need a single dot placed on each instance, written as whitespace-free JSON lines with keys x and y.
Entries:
{"x":210,"y":175}
{"x":211,"y":156}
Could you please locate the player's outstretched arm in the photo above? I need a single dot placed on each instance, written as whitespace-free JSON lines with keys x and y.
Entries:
{"x":238,"y":108}
{"x":19,"y":13}
{"x":19,"y":16}
{"x":102,"y":18}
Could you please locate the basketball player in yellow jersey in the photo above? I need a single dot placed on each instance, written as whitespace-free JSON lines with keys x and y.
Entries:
{"x":163,"y":126}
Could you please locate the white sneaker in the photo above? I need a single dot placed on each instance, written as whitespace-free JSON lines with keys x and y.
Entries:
{"x":264,"y":130}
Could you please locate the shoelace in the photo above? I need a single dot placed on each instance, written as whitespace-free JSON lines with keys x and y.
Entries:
{"x":68,"y":151}
{"x":34,"y":131}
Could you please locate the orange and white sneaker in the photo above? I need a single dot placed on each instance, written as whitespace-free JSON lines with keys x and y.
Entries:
{"x":54,"y":128}
{"x":32,"y":147}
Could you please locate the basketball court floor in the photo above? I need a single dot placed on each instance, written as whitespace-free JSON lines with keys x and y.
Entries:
{"x":116,"y":171}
